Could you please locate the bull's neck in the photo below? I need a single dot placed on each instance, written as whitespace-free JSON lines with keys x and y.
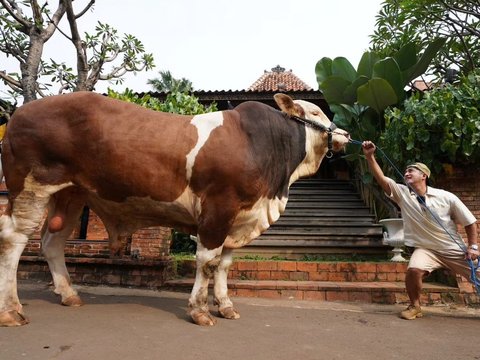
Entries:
{"x":315,"y":149}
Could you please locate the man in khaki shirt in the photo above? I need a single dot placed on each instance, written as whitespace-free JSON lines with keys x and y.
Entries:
{"x":430,"y":226}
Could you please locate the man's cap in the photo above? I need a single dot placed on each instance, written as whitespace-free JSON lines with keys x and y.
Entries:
{"x":420,"y":166}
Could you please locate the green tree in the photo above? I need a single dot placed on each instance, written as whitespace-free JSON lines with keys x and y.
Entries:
{"x":25,"y":27}
{"x":441,"y":126}
{"x":402,"y":21}
{"x":167,"y":83}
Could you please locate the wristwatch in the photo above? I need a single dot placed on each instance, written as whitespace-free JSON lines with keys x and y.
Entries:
{"x":473,"y":247}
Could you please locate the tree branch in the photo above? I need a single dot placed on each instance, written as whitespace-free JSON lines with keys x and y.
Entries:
{"x":17,"y":14}
{"x":54,"y":21}
{"x":14,"y":84}
{"x":81,"y":13}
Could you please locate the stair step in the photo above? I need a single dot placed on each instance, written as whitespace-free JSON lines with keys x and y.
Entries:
{"x":385,"y":292}
{"x":325,"y":231}
{"x":284,"y":241}
{"x":326,"y":212}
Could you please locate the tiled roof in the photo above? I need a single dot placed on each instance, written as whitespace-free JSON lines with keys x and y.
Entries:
{"x":279,"y":80}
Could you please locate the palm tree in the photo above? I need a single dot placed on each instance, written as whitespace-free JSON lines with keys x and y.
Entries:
{"x":167,"y":83}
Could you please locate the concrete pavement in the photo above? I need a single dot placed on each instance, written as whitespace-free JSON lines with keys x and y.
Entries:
{"x":119,"y":323}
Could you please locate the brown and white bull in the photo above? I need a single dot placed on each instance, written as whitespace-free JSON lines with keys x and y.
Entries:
{"x":223,"y":176}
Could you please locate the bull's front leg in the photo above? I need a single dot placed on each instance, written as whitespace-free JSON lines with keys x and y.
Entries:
{"x":221,"y":299}
{"x":207,"y":264}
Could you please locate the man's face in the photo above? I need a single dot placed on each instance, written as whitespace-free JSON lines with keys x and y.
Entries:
{"x":413,"y":175}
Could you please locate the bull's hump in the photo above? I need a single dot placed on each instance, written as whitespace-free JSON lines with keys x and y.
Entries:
{"x":204,"y":124}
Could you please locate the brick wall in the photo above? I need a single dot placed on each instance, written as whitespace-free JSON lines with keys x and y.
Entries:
{"x":148,"y":243}
{"x":465,"y":183}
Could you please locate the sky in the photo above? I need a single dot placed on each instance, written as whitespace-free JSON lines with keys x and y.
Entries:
{"x":226,"y":45}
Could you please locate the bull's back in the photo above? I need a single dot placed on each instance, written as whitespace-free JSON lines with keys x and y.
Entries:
{"x":114,"y":148}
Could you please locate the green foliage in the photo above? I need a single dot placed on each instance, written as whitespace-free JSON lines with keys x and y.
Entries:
{"x":182,"y":244}
{"x":167,"y":83}
{"x":442,"y":126}
{"x":402,"y":22}
{"x":178,"y":103}
{"x":358,"y":98}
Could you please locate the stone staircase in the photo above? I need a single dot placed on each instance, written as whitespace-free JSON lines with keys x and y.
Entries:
{"x":321,"y":217}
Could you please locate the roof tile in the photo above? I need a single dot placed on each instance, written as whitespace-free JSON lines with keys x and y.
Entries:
{"x":279,"y":80}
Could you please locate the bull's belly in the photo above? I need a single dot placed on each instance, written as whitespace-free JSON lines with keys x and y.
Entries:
{"x":183,"y":214}
{"x":139,"y":212}
{"x":251,"y":224}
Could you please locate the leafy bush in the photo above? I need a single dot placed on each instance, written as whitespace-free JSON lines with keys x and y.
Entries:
{"x":439,"y":127}
{"x":175,"y":102}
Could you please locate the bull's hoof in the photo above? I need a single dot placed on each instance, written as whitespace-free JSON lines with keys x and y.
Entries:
{"x":12,"y":318}
{"x":202,"y":318}
{"x":73,"y":300}
{"x":229,"y":313}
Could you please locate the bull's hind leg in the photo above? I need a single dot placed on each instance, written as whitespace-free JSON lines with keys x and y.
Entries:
{"x":24,"y":214}
{"x":207,"y":263}
{"x":64,"y":211}
{"x":225,"y":305}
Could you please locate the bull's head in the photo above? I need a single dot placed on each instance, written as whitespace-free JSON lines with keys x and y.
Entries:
{"x":306,"y":110}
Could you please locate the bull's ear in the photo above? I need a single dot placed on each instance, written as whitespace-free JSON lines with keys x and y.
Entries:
{"x":285,"y":103}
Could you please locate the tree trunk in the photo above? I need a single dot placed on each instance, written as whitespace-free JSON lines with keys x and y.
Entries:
{"x":31,"y":66}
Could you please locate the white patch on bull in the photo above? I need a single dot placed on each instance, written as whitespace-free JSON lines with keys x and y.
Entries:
{"x":250,"y":224}
{"x":315,"y":150}
{"x":205,"y":124}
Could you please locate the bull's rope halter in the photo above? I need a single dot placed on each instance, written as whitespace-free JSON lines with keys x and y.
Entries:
{"x":314,"y":125}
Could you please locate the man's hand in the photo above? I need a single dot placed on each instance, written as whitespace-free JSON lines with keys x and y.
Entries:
{"x":368,"y":148}
{"x":472,"y":254}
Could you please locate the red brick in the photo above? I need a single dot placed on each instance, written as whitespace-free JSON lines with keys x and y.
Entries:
{"x":307,"y":266}
{"x":337,"y":276}
{"x":269,"y":294}
{"x":360,"y":296}
{"x":322,"y":276}
{"x":382,"y":276}
{"x":346,"y":267}
{"x":264,"y":275}
{"x":402,"y":267}
{"x":387,"y":268}
{"x":247,"y":265}
{"x":366,"y":268}
{"x":327,"y":267}
{"x":267,"y":265}
{"x":292,"y":294}
{"x":314,"y":295}
{"x":280,"y":275}
{"x":392,"y":276}
{"x":336,"y":296}
{"x":364,"y":277}
{"x":287,"y":266}
{"x":298,"y":276}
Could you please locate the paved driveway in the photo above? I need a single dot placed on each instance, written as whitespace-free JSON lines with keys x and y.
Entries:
{"x":141,"y":324}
